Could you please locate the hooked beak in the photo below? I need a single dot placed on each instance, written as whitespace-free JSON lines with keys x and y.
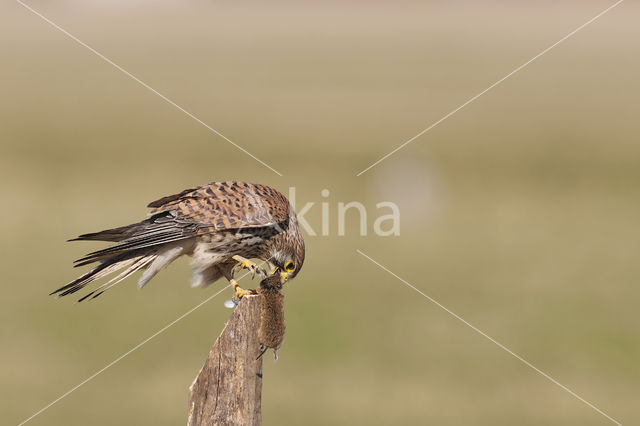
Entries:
{"x":283,"y":274}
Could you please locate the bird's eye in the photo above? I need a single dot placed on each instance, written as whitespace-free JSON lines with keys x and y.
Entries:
{"x":289,"y":266}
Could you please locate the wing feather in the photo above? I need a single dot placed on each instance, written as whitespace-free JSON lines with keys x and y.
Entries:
{"x":226,"y":205}
{"x":157,"y":230}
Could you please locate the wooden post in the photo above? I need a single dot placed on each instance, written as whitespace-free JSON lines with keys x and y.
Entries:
{"x":228,"y":389}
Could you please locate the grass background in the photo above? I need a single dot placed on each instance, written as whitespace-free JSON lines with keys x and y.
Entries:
{"x":519,"y":213}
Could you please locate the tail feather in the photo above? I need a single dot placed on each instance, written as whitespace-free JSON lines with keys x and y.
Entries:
{"x":83,"y":279}
{"x":160,"y":261}
{"x":107,"y":267}
{"x":152,"y":243}
{"x":130,"y":263}
{"x":124,"y":248}
{"x":139,"y":263}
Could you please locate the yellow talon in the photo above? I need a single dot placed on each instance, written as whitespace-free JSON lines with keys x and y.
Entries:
{"x":240,"y":292}
{"x":244,"y":263}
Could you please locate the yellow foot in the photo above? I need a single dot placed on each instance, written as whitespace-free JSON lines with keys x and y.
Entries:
{"x":247,"y":264}
{"x":240,"y":292}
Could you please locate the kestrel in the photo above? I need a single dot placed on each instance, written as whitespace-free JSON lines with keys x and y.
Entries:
{"x":220,"y":226}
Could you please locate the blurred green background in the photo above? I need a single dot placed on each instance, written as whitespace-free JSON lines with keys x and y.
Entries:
{"x":519,"y":213}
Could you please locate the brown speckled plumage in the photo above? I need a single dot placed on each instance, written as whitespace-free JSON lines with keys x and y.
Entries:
{"x":210,"y":223}
{"x":272,"y":324}
{"x":226,"y":205}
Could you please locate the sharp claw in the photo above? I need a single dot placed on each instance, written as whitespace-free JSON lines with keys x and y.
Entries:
{"x":240,"y":293}
{"x":249,"y":265}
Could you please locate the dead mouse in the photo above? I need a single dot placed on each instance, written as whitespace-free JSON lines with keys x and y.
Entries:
{"x":272,"y":317}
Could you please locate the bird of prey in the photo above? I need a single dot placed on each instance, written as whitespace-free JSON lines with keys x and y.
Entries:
{"x":220,"y":226}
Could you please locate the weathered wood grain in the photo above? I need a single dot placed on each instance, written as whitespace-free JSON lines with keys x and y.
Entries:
{"x":228,"y":389}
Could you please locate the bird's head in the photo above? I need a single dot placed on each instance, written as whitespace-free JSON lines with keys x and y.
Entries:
{"x":287,"y":256}
{"x":288,"y":262}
